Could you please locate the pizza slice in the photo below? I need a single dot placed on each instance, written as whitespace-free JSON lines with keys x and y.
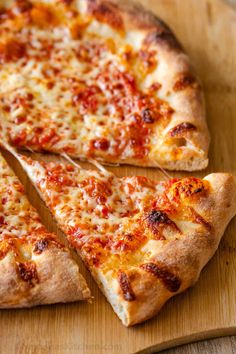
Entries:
{"x":143,"y":241}
{"x":35,"y":268}
{"x":100,"y":79}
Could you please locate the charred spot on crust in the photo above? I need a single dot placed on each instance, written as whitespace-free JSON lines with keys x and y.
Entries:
{"x":182,"y":128}
{"x":40,"y":246}
{"x":157,"y":217}
{"x":125,"y":286}
{"x":169,"y":280}
{"x":28,"y":273}
{"x":185,"y":81}
{"x":157,"y":220}
{"x":162,"y":36}
{"x":147,"y":116}
{"x":106,"y":12}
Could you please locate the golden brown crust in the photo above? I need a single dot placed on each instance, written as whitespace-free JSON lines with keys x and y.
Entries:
{"x":179,"y":84}
{"x":58,"y":275}
{"x":168,"y":66}
{"x":180,"y":261}
{"x":161,"y":270}
{"x":35,"y":268}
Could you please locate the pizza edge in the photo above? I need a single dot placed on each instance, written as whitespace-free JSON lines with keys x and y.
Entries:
{"x":59,"y":281}
{"x":180,"y":261}
{"x":188,"y":124}
{"x":54,"y":276}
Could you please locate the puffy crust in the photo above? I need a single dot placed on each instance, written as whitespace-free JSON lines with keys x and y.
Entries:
{"x":185,"y":257}
{"x":134,"y":16}
{"x":179,"y":84}
{"x":58,"y":276}
{"x":176,"y":265}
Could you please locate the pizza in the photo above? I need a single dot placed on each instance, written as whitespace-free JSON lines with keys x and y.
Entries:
{"x":99,"y":79}
{"x":35,"y":267}
{"x":143,"y":241}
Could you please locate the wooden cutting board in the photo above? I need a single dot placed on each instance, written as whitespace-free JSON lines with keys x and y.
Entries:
{"x":207,"y":29}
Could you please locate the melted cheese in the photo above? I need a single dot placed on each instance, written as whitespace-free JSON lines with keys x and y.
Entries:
{"x":115,"y":222}
{"x":20,"y":225}
{"x":75,"y":85}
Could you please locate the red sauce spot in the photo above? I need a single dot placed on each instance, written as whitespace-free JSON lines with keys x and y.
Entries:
{"x":49,"y":137}
{"x":75,"y":231}
{"x":50,"y":85}
{"x":20,"y":119}
{"x":70,"y":168}
{"x":105,"y":212}
{"x":4,"y":14}
{"x":30,"y":96}
{"x":22,"y":6}
{"x":57,"y":176}
{"x":4,"y":201}
{"x":2,"y":221}
{"x":20,"y":138}
{"x":7,"y":108}
{"x":66,"y":2}
{"x":101,"y":144}
{"x":87,"y":98}
{"x":95,"y":188}
{"x":12,"y":51}
{"x":43,"y":15}
{"x":101,"y":199}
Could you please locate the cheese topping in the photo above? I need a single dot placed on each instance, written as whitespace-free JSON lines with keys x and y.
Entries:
{"x":117,"y":222}
{"x":21,"y":230}
{"x":70,"y":83}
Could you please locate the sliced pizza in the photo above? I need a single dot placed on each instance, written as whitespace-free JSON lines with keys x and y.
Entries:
{"x":100,"y":79}
{"x":35,"y":268}
{"x":143,"y":241}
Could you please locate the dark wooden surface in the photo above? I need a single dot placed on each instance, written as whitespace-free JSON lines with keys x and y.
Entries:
{"x":226,"y":345}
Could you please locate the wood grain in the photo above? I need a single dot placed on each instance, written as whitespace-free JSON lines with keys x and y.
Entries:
{"x":207,"y":29}
{"x":226,"y":345}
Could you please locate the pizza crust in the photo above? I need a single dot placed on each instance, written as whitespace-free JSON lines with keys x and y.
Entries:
{"x":129,"y":24}
{"x":181,"y":258}
{"x":186,"y":257}
{"x":35,"y":268}
{"x":180,"y":86}
{"x":59,"y":281}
